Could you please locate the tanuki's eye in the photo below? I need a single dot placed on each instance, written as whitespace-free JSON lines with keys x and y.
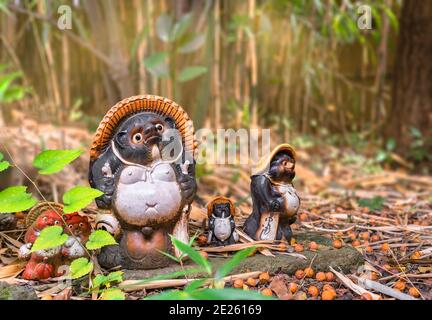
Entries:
{"x":159,"y":127}
{"x":45,"y":219}
{"x":56,"y":222}
{"x":81,"y":225}
{"x":137,"y":138}
{"x":70,"y":226}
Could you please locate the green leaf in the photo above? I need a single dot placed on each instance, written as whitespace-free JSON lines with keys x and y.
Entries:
{"x":50,"y":237}
{"x":156,"y":64}
{"x":52,"y":161}
{"x":193,"y":254}
{"x":374,"y":204}
{"x":80,"y":267}
{"x":163,"y":27}
{"x":79,"y":197}
{"x":101,"y":280}
{"x":193,"y":45}
{"x":170,"y":295}
{"x":3,"y":164}
{"x":99,"y":239}
{"x":113,"y":294}
{"x":189,"y":73}
{"x":227,"y":294}
{"x":233,"y":262}
{"x":15,"y":199}
{"x":181,"y":26}
{"x":391,"y":144}
{"x":194,"y":285}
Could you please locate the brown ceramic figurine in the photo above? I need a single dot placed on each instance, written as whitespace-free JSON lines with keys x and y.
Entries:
{"x":142,"y":159}
{"x":275,"y":201}
{"x":221,"y":222}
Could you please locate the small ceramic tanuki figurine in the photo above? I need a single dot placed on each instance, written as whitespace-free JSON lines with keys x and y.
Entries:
{"x":44,"y":264}
{"x":221,"y":222}
{"x":142,"y":159}
{"x":79,"y":229}
{"x":275,"y":201}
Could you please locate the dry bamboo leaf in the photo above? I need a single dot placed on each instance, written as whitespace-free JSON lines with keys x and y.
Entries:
{"x":351,"y":285}
{"x":11,"y":271}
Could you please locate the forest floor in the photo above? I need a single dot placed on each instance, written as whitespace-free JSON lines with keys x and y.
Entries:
{"x":386,"y":215}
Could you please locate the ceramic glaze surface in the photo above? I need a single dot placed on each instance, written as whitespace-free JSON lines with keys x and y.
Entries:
{"x":147,"y":196}
{"x":292,"y":201}
{"x":222,"y":228}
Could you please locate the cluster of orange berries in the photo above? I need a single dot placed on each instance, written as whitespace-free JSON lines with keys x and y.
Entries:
{"x":401,"y":286}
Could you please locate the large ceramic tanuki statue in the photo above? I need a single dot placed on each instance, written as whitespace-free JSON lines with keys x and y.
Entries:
{"x":142,"y":159}
{"x":275,"y":201}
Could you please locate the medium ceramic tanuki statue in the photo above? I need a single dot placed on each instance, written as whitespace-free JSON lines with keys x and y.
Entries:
{"x":44,"y":264}
{"x":275,"y":201}
{"x":221,"y":222}
{"x":142,"y":159}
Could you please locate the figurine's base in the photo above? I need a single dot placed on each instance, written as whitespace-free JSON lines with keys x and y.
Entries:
{"x":346,"y":258}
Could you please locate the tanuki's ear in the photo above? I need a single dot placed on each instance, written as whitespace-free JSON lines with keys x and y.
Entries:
{"x":121,"y":138}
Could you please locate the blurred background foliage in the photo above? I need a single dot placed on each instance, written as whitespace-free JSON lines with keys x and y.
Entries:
{"x":301,"y":67}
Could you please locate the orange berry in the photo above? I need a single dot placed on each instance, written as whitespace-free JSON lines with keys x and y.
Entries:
{"x":366,"y":296}
{"x":356,"y":243}
{"x":282,"y":247}
{"x":264,"y":277}
{"x":299,"y":274}
{"x":330,"y":276}
{"x":328,"y":287}
{"x":364,"y":235}
{"x":416,"y":255}
{"x":266,"y":292}
{"x":252,"y":282}
{"x":337,"y":244}
{"x":238,"y":283}
{"x":303,"y":216}
{"x":369,"y":249}
{"x":352,"y":235}
{"x":293,"y":287}
{"x":385,"y":247}
{"x":320,"y":276}
{"x":203,"y":254}
{"x":313,"y":291}
{"x":373,"y":276}
{"x":202,"y":239}
{"x":313,"y":246}
{"x":375,"y":238}
{"x":309,"y":272}
{"x":400,"y":285}
{"x":414,"y":292}
{"x":298,"y":247}
{"x":387,"y":267}
{"x":328,"y":295}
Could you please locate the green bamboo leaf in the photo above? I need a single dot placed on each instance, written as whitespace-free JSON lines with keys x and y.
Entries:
{"x":189,"y":73}
{"x":193,"y":45}
{"x":227,"y":294}
{"x":163,"y":27}
{"x":156,"y":64}
{"x":53,"y":161}
{"x":15,"y":199}
{"x":194,"y":285}
{"x":227,"y":267}
{"x":80,"y":267}
{"x":193,"y":254}
{"x":99,"y":239}
{"x":181,"y":26}
{"x":113,"y":294}
{"x":50,"y":237}
{"x":79,"y":197}
{"x":170,"y":295}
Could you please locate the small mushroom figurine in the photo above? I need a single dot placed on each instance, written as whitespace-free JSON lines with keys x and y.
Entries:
{"x":275,"y":201}
{"x":142,"y":160}
{"x":221,"y":223}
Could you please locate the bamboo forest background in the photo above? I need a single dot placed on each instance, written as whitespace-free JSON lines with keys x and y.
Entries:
{"x":301,"y":67}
